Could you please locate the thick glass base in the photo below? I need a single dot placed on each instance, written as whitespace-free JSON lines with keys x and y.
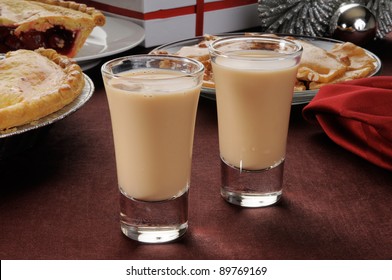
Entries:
{"x":252,"y":188}
{"x":154,"y":221}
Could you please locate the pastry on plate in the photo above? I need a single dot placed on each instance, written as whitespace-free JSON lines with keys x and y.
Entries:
{"x":34,"y":84}
{"x":318,"y":67}
{"x":60,"y":25}
{"x":358,"y":64}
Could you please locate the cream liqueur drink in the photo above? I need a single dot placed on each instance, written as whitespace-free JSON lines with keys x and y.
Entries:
{"x":153,"y":133}
{"x":253,"y":109}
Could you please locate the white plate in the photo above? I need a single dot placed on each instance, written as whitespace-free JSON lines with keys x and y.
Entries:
{"x":56,"y":116}
{"x":300,"y":97}
{"x":117,"y":35}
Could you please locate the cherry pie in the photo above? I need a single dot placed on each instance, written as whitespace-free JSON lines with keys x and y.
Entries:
{"x":60,"y":25}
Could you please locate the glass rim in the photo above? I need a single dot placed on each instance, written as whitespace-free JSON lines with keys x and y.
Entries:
{"x":198,"y":71}
{"x":297,"y":50}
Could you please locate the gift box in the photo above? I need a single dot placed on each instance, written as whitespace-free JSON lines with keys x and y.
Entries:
{"x":172,"y":20}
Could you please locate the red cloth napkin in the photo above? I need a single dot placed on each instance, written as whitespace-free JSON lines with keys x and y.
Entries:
{"x":357,"y":115}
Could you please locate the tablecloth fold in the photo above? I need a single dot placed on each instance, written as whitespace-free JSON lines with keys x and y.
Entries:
{"x":357,"y":115}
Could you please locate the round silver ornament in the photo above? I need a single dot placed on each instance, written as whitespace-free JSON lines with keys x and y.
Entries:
{"x":354,"y":23}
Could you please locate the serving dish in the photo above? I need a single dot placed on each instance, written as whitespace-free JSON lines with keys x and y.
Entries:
{"x":299,"y":97}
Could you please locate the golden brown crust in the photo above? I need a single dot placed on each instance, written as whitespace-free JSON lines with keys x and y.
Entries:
{"x":97,"y":16}
{"x":35,"y":84}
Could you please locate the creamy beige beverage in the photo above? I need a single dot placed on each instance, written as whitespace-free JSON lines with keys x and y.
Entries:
{"x":254,"y":100}
{"x":153,"y":129}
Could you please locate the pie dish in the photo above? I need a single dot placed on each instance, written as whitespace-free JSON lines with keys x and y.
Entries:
{"x":61,"y":25}
{"x":18,"y":140}
{"x":34,"y":84}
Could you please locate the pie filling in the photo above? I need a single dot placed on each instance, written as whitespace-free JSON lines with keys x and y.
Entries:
{"x":56,"y":38}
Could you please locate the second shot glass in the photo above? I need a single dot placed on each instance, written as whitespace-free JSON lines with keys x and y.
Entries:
{"x":254,"y":81}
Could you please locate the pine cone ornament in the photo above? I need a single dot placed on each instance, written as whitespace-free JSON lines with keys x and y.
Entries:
{"x":382,"y":9}
{"x":309,"y":17}
{"x":313,"y":17}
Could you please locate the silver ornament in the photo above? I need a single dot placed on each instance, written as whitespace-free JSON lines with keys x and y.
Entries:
{"x":314,"y":17}
{"x":354,"y":23}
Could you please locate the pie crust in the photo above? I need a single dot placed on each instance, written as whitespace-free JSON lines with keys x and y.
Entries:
{"x":60,"y":25}
{"x":34,"y":84}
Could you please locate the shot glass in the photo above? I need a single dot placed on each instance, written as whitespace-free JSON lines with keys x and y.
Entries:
{"x":254,"y":82}
{"x":153,"y":101}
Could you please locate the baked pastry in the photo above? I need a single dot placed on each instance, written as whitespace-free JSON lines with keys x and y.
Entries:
{"x":61,"y":25}
{"x":359,"y":63}
{"x":34,"y":84}
{"x":318,"y":67}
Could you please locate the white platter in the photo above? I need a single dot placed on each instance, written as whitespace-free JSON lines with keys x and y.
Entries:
{"x":116,"y":36}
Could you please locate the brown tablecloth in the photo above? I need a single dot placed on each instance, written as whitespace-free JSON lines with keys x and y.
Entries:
{"x":59,"y":200}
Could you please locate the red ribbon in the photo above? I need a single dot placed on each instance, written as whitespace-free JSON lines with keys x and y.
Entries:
{"x":199,"y":17}
{"x":199,"y":10}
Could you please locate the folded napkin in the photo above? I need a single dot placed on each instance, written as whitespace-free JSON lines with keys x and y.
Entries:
{"x":357,"y":115}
